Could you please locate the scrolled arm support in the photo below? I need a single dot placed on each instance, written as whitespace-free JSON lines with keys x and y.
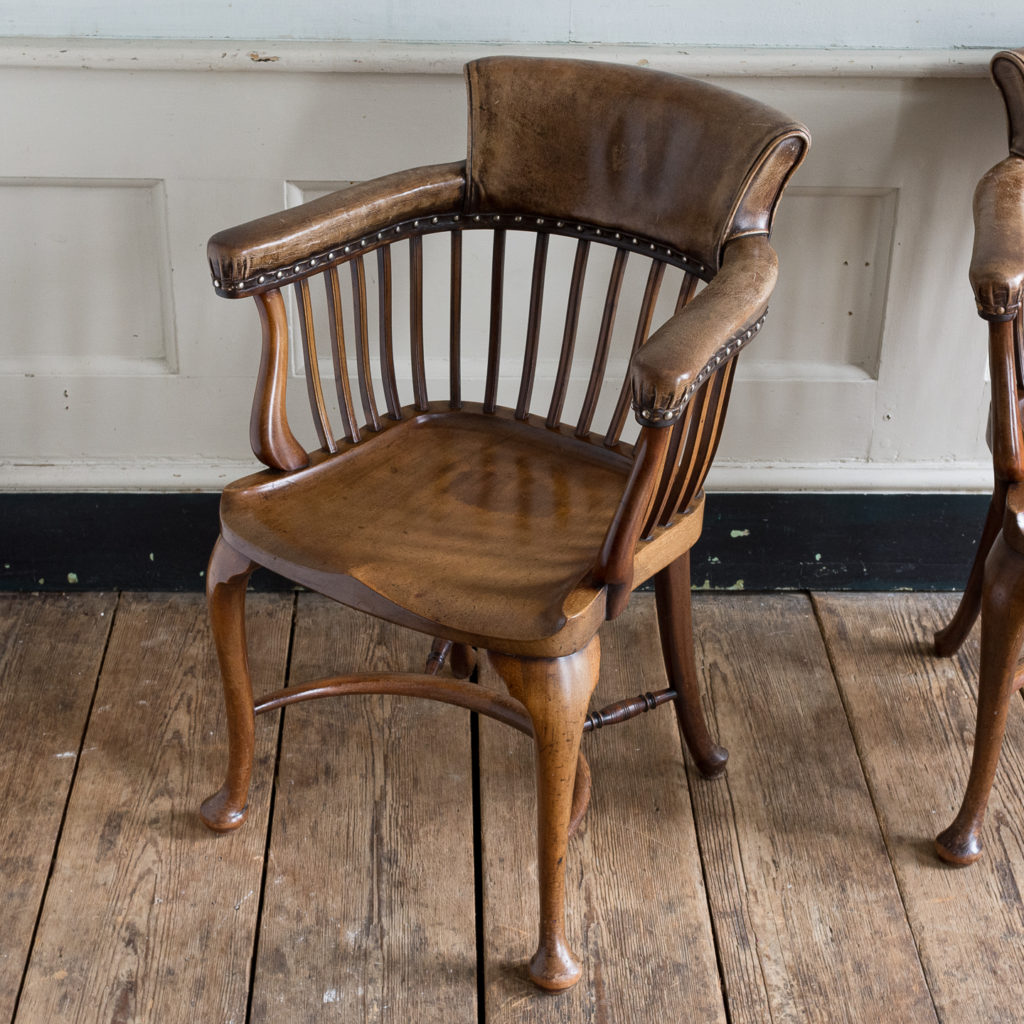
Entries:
{"x":688,"y":348}
{"x":273,"y":442}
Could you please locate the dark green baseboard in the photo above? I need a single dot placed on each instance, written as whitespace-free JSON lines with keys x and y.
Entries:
{"x":761,"y":542}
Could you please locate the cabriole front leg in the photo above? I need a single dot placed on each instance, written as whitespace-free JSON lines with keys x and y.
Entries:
{"x":226,"y":579}
{"x":1002,"y":633}
{"x":556,"y":693}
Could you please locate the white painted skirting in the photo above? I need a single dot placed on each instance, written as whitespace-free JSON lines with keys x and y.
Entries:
{"x":169,"y":475}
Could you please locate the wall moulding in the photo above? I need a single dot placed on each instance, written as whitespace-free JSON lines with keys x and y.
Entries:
{"x":276,"y":57}
{"x":87,"y":291}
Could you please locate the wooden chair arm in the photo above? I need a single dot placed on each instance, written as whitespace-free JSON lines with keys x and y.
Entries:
{"x":684,"y":352}
{"x":997,"y":263}
{"x":248,"y":258}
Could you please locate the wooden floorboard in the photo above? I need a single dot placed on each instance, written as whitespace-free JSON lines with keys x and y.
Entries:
{"x":913,"y":719}
{"x":149,"y":916}
{"x":51,"y":648}
{"x":369,"y":913}
{"x":801,"y":887}
{"x":810,"y":920}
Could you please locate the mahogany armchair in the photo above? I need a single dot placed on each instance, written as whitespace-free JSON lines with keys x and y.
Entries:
{"x":514,"y":525}
{"x":995,"y":587}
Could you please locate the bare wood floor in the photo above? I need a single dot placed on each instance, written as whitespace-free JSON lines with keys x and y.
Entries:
{"x":800,"y":887}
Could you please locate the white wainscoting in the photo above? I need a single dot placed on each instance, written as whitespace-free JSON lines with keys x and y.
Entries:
{"x":120,"y":368}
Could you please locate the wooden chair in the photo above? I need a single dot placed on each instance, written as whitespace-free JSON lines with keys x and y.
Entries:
{"x":513,"y":526}
{"x":995,"y":587}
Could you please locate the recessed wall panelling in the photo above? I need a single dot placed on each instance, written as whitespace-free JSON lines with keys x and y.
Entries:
{"x":828,"y":325}
{"x":84,"y":278}
{"x":869,"y":373}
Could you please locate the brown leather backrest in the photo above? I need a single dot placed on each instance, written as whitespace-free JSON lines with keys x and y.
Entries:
{"x":681,"y":161}
{"x":1008,"y":72}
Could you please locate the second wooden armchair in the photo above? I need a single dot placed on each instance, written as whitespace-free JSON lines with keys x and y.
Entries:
{"x":995,"y":588}
{"x":508,"y":524}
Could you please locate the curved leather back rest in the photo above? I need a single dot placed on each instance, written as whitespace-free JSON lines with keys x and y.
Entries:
{"x":1008,"y":72}
{"x":679,"y":160}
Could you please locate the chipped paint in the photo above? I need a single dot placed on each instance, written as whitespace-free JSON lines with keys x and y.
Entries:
{"x":72,"y":577}
{"x":738,"y":585}
{"x":739,"y":533}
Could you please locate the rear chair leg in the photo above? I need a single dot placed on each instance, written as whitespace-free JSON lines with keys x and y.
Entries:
{"x":949,"y":639}
{"x":556,"y":693}
{"x":675,"y":624}
{"x":226,"y":580}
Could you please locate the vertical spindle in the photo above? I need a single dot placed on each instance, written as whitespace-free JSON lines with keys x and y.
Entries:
{"x":455,"y":323}
{"x":419,"y":376}
{"x":341,"y":384}
{"x":540,"y":260}
{"x":611,"y":303}
{"x":385,"y":333}
{"x":314,"y":388}
{"x":643,"y":330}
{"x":494,"y":342}
{"x":572,"y":321}
{"x":363,"y":343}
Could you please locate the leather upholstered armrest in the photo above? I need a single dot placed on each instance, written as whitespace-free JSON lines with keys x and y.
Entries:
{"x":997,"y":263}
{"x":242,"y":259}
{"x":680,"y":356}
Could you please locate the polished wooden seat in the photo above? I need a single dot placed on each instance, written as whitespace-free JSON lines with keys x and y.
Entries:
{"x":510,"y":522}
{"x":510,"y":510}
{"x":995,"y":587}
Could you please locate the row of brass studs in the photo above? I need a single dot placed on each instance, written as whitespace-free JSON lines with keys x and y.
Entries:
{"x":666,"y":417}
{"x":447,"y":222}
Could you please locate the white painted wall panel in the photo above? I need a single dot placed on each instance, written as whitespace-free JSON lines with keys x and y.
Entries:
{"x":144,"y":160}
{"x":102,"y":247}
